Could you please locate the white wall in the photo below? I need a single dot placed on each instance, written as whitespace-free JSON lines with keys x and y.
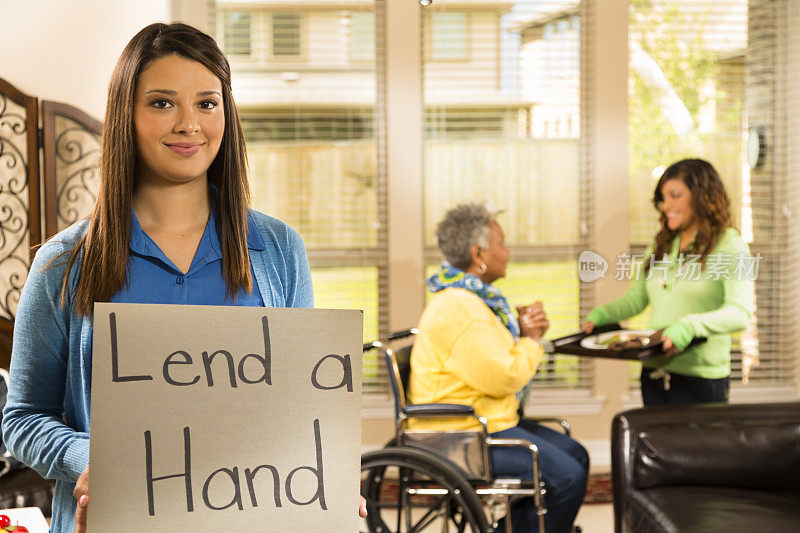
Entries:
{"x":65,"y":50}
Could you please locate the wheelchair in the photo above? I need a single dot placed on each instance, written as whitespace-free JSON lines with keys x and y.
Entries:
{"x":440,"y":480}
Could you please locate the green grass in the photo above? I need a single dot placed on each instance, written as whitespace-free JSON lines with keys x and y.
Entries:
{"x":349,"y":288}
{"x":353,"y":288}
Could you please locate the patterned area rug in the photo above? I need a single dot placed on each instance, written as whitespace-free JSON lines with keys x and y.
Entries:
{"x":598,"y":490}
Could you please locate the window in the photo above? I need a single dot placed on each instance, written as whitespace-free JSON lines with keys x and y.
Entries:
{"x":503,"y":115}
{"x":448,"y":36}
{"x":286,"y":35}
{"x":486,"y":139}
{"x":311,"y":125}
{"x":267,"y":37}
{"x":686,"y":94}
{"x":236,"y":28}
{"x":312,"y":150}
{"x":550,"y":66}
{"x":443,"y":123}
{"x":362,"y":26}
{"x":691,"y":89}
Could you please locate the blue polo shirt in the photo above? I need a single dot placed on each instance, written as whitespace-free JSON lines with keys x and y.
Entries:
{"x":153,"y":278}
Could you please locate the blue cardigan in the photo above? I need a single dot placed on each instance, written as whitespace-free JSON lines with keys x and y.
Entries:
{"x":46,"y":418}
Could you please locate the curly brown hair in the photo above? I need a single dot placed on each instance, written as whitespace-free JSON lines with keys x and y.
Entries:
{"x":710,"y":202}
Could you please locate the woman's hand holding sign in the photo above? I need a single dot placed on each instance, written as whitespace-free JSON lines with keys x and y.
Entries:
{"x":362,"y":509}
{"x":81,"y":494}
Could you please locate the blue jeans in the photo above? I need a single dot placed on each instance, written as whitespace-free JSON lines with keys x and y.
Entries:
{"x":564,"y":468}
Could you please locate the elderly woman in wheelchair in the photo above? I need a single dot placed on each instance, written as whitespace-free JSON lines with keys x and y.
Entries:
{"x":472,"y":350}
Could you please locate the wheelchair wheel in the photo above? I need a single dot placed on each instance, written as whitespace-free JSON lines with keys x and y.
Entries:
{"x":411,"y":490}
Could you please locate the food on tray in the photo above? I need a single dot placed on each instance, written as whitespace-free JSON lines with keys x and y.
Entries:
{"x":626,"y":337}
{"x":614,"y":341}
{"x":615,"y":338}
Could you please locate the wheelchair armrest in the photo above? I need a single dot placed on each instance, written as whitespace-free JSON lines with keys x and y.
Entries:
{"x":402,"y":334}
{"x":520,"y":443}
{"x":367,"y":346}
{"x":438,"y":409}
{"x":563,"y":424}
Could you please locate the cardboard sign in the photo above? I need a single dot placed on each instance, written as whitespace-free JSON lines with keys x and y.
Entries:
{"x":224,"y":419}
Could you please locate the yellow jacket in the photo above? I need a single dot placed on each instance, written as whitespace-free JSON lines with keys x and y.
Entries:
{"x":463,"y":354}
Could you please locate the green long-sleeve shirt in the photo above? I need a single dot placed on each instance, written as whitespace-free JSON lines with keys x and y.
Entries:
{"x":713,"y":302}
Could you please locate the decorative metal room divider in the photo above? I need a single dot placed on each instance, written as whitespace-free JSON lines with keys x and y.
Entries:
{"x":68,"y":143}
{"x":71,"y":151}
{"x":20,"y":215}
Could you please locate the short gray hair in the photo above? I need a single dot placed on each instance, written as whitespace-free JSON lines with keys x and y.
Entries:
{"x":462,"y":227}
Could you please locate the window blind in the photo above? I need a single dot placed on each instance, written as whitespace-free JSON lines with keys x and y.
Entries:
{"x":701,"y":73}
{"x":362,"y":38}
{"x":686,"y":95}
{"x":237,"y":30}
{"x":448,"y":36}
{"x":306,"y":93}
{"x":287,"y":38}
{"x":502,"y":92}
{"x":772,"y":104}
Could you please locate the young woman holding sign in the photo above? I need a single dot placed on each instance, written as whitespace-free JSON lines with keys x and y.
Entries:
{"x":171,"y":226}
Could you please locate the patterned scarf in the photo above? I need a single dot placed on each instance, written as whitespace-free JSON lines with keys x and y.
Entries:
{"x":449,"y":276}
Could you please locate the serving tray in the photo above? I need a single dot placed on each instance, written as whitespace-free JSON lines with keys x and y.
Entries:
{"x":571,"y":345}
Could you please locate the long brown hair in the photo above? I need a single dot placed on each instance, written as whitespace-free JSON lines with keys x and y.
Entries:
{"x":710,"y":202}
{"x":103,"y":252}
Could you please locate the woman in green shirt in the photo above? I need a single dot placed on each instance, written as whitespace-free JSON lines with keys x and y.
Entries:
{"x":698,"y":279}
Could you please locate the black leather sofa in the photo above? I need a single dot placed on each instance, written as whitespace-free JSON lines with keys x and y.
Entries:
{"x":707,"y":468}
